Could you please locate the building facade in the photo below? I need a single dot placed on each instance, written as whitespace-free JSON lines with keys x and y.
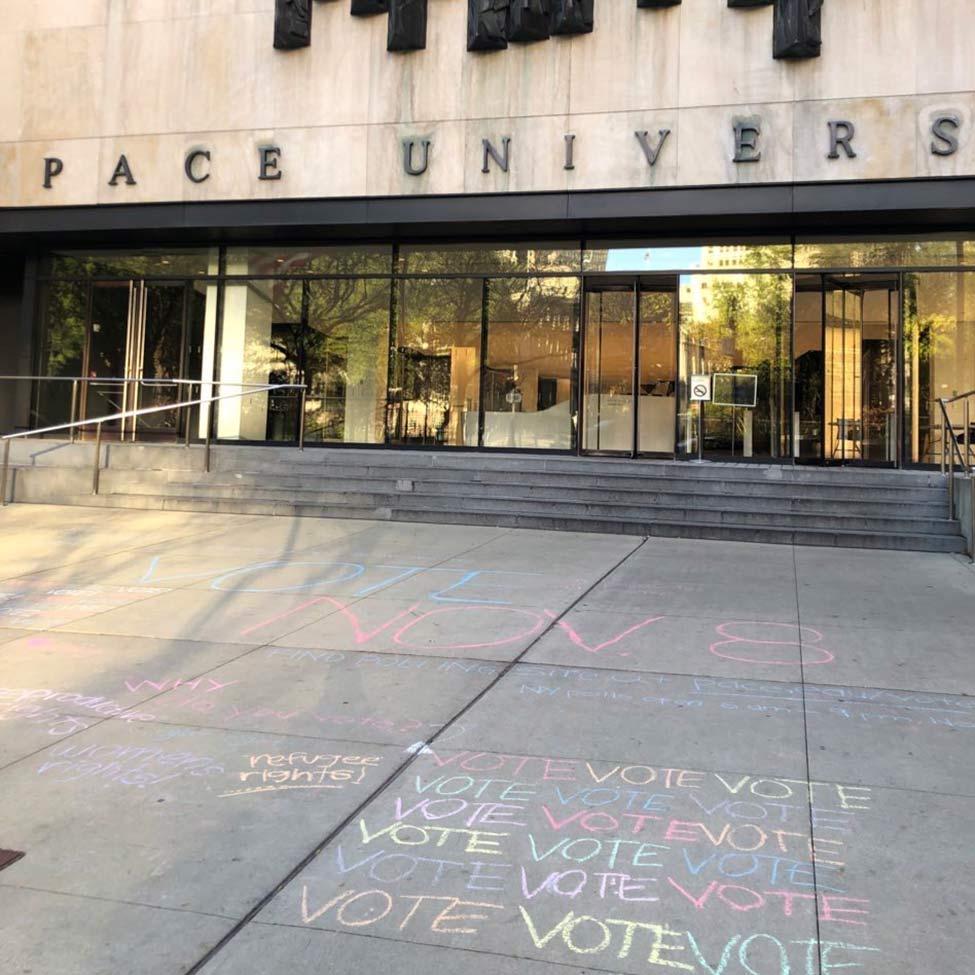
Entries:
{"x":475,"y":224}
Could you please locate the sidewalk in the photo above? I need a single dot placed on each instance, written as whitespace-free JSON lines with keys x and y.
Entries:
{"x":241,"y":745}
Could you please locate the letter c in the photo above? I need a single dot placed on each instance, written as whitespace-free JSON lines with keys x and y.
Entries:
{"x":191,"y":158}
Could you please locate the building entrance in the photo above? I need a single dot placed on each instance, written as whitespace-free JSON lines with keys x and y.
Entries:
{"x":846,"y":406}
{"x":629,"y":374}
{"x":139,"y":330}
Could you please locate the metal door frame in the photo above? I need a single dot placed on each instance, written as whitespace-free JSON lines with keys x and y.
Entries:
{"x":635,"y":283}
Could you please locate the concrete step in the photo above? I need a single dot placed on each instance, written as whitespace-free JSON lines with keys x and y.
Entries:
{"x":927,"y":503}
{"x":855,"y":507}
{"x":904,"y":541}
{"x":384,"y":478}
{"x":892,"y":519}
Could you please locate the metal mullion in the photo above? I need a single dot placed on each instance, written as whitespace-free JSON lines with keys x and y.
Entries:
{"x":482,"y":366}
{"x":635,"y":368}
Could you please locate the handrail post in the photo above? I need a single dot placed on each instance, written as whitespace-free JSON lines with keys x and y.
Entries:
{"x":968,"y":456}
{"x":3,"y":474}
{"x":206,"y":450}
{"x":98,"y":451}
{"x":74,"y":406}
{"x":189,"y":419}
{"x":301,"y":418}
{"x":971,"y":513}
{"x":951,"y":479}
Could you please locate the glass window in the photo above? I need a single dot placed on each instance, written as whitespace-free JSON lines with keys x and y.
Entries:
{"x":528,"y":371}
{"x":364,"y":259}
{"x":939,"y":353}
{"x":64,"y":334}
{"x":434,"y":395}
{"x":650,"y":257}
{"x":330,"y":335}
{"x":737,"y":328}
{"x":885,"y":251}
{"x":134,"y":264}
{"x":516,"y":258}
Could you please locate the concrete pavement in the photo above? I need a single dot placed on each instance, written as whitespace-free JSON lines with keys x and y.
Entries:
{"x":236,"y":745}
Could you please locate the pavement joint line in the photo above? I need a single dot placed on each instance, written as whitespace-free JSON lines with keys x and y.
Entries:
{"x":383,"y":786}
{"x":805,"y":743}
{"x":115,"y":900}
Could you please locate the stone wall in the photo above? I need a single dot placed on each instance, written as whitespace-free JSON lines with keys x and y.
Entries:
{"x":86,"y":81}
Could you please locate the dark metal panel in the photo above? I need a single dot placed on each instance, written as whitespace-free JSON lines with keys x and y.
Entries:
{"x":292,"y":24}
{"x":880,"y":205}
{"x":487,"y":25}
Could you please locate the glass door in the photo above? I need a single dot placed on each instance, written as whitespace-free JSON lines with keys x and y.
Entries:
{"x":846,"y":369}
{"x":629,"y":374}
{"x":107,"y":352}
{"x":141,"y":330}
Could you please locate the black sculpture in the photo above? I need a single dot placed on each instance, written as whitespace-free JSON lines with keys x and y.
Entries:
{"x":367,"y":8}
{"x":529,"y":20}
{"x":292,"y":24}
{"x":798,"y":29}
{"x":572,"y":17}
{"x":657,"y":4}
{"x":487,"y":25}
{"x":407,"y":25}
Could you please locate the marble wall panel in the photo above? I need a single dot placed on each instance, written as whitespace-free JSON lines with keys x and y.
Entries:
{"x":18,"y":16}
{"x":608,"y":155}
{"x":11,"y":93}
{"x":22,"y":179}
{"x":726,"y":57}
{"x":885,"y":142}
{"x":943,"y":39}
{"x":536,"y":155}
{"x":929,"y":109}
{"x":706,"y":145}
{"x":629,"y":62}
{"x":61,"y":79}
{"x":408,"y":86}
{"x":869,"y":49}
{"x":445,"y":168}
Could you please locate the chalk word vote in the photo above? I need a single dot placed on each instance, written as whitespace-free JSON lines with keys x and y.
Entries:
{"x":303,"y":770}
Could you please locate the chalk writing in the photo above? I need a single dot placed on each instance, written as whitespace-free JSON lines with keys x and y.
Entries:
{"x":128,"y":765}
{"x":207,"y":685}
{"x":711,"y":695}
{"x":96,"y":703}
{"x":552,"y":857}
{"x":302,"y":770}
{"x":43,"y":608}
{"x":56,"y":721}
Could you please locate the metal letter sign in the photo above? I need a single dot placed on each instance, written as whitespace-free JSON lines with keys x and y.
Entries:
{"x":700,"y":389}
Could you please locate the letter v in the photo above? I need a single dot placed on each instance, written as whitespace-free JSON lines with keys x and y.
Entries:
{"x":533,"y":931}
{"x":308,"y":918}
{"x":579,"y":642}
{"x":361,"y":636}
{"x":725,"y":955}
{"x":698,"y":902}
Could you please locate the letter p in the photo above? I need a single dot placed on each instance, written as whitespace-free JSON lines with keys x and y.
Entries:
{"x":52,"y":167}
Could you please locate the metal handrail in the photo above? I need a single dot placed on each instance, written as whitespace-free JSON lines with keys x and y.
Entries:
{"x":251,"y":389}
{"x":949,"y":453}
{"x":89,"y":381}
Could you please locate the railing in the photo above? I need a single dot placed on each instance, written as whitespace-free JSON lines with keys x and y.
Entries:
{"x":952,"y":446}
{"x":246,"y":389}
